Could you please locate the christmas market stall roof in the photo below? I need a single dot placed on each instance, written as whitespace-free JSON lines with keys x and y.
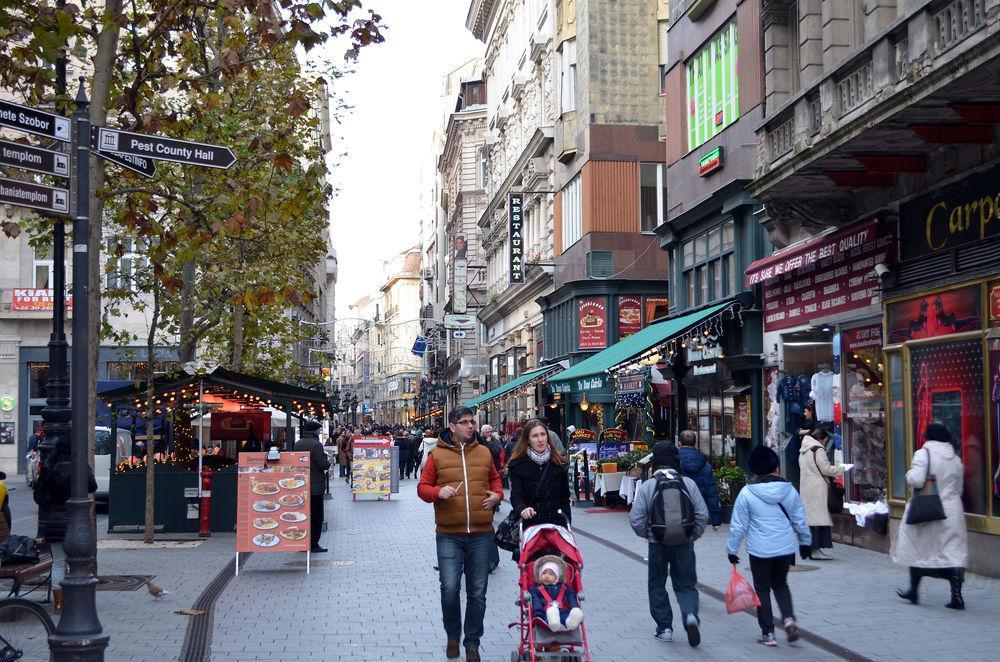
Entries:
{"x":180,"y":389}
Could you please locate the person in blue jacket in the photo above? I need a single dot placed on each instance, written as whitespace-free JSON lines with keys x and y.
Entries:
{"x":768,"y":512}
{"x":697,"y":467}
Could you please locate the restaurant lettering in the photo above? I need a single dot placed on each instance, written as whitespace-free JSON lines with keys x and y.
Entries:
{"x":951,"y":216}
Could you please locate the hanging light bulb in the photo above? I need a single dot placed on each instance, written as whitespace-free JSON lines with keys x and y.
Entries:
{"x":584,"y":405}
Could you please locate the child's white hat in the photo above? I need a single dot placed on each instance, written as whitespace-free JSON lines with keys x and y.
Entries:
{"x":553,"y":563}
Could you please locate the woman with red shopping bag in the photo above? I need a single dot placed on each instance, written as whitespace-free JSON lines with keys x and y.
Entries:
{"x":768,"y":512}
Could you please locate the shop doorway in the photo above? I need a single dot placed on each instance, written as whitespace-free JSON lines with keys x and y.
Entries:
{"x":808,"y":382}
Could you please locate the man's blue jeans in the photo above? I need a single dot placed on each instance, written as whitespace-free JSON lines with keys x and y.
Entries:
{"x":677,"y":561}
{"x":471,"y":555}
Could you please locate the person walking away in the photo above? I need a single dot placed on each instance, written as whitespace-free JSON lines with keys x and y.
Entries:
{"x":402,"y":442}
{"x":697,"y":467}
{"x":939,"y":548}
{"x":343,"y":457}
{"x":460,"y":480}
{"x":415,"y":442}
{"x":814,"y":467}
{"x":427,"y":444}
{"x":51,"y":492}
{"x":539,"y":484}
{"x":768,"y":512}
{"x":670,"y":513}
{"x":557,"y":443}
{"x":319,"y":463}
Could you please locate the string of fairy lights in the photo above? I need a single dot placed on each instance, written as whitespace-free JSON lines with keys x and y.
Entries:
{"x":170,"y":399}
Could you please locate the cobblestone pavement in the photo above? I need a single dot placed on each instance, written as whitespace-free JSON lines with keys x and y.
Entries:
{"x":375,"y":597}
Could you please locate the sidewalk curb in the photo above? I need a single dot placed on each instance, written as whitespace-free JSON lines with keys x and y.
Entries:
{"x":806,"y":635}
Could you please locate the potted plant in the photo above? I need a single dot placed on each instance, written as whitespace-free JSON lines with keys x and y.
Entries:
{"x":730,"y":480}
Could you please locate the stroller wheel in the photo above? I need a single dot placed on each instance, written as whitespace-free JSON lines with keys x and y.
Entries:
{"x":515,"y":656}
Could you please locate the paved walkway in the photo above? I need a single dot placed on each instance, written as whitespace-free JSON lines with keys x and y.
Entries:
{"x":375,"y":597}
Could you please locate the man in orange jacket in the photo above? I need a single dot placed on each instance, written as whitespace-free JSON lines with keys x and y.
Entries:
{"x":460,"y":480}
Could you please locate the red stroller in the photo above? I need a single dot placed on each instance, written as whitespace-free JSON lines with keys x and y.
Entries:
{"x":538,"y":642}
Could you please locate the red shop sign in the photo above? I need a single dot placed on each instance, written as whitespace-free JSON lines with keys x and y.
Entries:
{"x":865,"y":337}
{"x":629,"y":316}
{"x":832,"y":275}
{"x":593,"y":323}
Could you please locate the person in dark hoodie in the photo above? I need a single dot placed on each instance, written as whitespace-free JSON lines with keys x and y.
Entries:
{"x":768,"y":512}
{"x":697,"y":467}
{"x":319,"y":464}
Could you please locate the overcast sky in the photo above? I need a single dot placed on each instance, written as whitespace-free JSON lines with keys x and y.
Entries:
{"x":396,"y":94}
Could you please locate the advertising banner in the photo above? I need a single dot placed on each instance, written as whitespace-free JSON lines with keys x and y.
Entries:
{"x":743,"y":417}
{"x":993,"y":304}
{"x":954,"y":311}
{"x":515,"y":218}
{"x":832,"y":275}
{"x":593,"y":322}
{"x":272,"y":503}
{"x":371,"y":466}
{"x":629,"y":316}
{"x":460,"y":275}
{"x":35,"y":299}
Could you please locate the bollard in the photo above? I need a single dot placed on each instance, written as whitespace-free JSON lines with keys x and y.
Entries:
{"x":205,"y":507}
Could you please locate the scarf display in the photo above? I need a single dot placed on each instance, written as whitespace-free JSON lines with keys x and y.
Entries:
{"x":540,"y":458}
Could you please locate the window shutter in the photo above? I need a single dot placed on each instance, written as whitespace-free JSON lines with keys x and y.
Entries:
{"x":662,"y":42}
{"x":599,"y":264}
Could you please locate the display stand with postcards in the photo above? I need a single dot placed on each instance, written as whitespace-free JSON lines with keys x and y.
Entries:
{"x":373,"y":466}
{"x":272,"y":504}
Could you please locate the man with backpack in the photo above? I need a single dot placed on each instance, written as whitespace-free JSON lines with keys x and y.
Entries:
{"x":670,"y":513}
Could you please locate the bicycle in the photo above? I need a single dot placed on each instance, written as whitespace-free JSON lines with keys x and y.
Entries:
{"x":24,"y":630}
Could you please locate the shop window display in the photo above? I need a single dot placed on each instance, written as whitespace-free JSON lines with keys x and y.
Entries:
{"x":864,"y":429}
{"x":947,"y":386}
{"x":712,"y":416}
{"x":994,"y":415}
{"x":897,"y":412}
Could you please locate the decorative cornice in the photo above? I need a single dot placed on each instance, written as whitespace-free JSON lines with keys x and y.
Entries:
{"x":786,"y":219}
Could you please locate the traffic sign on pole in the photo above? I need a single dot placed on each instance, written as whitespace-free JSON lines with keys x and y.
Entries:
{"x":34,"y":121}
{"x":139,"y":164}
{"x":36,"y":159}
{"x":164,"y":149}
{"x":35,"y":196}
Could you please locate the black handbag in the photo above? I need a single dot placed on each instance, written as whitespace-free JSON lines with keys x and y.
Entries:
{"x":508,"y":534}
{"x":18,"y":550}
{"x":926,"y":507}
{"x":834,"y":491}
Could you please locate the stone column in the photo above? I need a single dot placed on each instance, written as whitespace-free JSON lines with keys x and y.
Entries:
{"x":810,"y":41}
{"x":838,"y":32}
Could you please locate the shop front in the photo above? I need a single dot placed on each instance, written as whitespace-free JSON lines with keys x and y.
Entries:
{"x":823,"y":359}
{"x":942,"y":327}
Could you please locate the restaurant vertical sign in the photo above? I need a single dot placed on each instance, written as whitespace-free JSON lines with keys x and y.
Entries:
{"x":593,"y":322}
{"x":515,"y":242}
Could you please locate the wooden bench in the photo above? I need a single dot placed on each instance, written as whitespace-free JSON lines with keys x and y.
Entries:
{"x":23,"y":572}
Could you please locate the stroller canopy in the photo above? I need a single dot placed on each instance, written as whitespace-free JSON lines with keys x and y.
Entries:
{"x":548,"y":539}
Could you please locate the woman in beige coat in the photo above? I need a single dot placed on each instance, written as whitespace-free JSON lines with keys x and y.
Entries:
{"x":940,"y":548}
{"x":814,"y":466}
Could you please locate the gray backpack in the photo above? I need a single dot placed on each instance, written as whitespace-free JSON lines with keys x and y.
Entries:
{"x":671,"y":512}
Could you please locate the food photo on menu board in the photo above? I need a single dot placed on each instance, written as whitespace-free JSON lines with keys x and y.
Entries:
{"x":273,"y":503}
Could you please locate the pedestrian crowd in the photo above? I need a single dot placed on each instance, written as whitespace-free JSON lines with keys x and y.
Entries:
{"x":464,"y":474}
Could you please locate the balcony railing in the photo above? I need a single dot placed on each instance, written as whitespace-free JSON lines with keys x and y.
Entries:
{"x":854,"y":89}
{"x":956,"y":22}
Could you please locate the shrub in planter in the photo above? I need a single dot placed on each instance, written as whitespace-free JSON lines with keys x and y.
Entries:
{"x":730,"y":481}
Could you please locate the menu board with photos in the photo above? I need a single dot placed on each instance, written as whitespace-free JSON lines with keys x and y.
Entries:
{"x":272,"y":503}
{"x":372,"y":466}
{"x":593,"y":322}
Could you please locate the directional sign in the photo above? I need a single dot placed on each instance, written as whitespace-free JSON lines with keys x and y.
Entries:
{"x":140,"y":164}
{"x":34,"y":121}
{"x":35,"y":196}
{"x":33,"y":158}
{"x":164,"y":149}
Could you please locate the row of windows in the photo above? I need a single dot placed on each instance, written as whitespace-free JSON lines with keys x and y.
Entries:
{"x":708,"y":264}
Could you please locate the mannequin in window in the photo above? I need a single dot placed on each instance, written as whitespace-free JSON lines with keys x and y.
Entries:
{"x":822,"y":393}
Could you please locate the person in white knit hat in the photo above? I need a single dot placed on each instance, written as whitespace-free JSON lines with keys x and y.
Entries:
{"x":554,"y":601}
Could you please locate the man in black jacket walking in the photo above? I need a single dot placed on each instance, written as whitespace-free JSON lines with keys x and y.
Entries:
{"x":697,"y":467}
{"x":319,"y":464}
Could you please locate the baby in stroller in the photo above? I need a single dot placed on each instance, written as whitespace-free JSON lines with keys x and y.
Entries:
{"x":552,"y":599}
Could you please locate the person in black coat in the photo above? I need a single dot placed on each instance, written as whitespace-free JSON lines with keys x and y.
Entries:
{"x":402,"y":442}
{"x":538,"y":501}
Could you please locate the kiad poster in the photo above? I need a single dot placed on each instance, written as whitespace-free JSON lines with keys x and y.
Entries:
{"x":272,"y":503}
{"x":371,"y":466}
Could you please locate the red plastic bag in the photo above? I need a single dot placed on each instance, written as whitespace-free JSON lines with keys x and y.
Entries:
{"x":740,"y":595}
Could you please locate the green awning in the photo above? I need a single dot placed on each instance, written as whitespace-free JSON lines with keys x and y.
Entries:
{"x":512,"y":384}
{"x":631,"y":347}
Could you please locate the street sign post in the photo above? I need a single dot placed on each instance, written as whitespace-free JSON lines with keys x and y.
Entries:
{"x":164,"y":149}
{"x":138,"y":164}
{"x":35,"y":159}
{"x":34,"y":121}
{"x":35,"y":196}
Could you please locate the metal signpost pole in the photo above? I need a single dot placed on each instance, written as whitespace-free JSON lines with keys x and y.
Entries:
{"x":79,"y":636}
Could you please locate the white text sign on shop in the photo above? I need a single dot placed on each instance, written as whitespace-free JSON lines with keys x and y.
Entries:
{"x":515,"y":214}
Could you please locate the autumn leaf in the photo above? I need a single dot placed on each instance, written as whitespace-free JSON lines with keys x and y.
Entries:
{"x":298,"y":105}
{"x":283,"y":162}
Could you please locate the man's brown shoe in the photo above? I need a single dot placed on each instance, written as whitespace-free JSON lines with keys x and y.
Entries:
{"x":472,"y":655}
{"x":451,"y":652}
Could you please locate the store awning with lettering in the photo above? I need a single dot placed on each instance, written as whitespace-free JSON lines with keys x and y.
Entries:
{"x":589,"y":374}
{"x":517,"y":382}
{"x":828,"y":244}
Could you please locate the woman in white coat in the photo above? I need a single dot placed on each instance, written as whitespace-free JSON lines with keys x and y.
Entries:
{"x":939,"y":548}
{"x":814,"y":467}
